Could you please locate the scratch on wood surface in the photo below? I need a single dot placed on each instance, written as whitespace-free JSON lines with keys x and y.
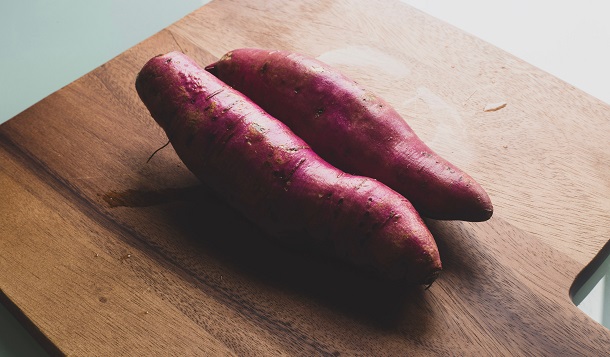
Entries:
{"x":176,"y":41}
{"x":470,"y":96}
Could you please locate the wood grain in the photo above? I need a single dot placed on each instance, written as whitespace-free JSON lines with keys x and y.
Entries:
{"x":106,"y":254}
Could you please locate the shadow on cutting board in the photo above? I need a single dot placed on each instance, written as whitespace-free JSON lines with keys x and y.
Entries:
{"x":209,"y":227}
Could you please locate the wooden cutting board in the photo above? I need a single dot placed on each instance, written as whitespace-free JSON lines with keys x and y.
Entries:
{"x":104,"y":254}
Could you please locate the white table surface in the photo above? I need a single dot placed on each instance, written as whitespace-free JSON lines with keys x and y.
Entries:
{"x":45,"y":45}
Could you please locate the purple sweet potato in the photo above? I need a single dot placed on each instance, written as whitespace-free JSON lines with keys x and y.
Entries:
{"x":353,"y":130}
{"x":266,"y":172}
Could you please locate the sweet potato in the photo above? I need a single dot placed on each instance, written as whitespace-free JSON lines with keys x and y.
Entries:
{"x":353,"y":130}
{"x":269,"y":174}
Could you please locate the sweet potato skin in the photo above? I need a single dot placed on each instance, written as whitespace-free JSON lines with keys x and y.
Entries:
{"x":274,"y":178}
{"x":353,"y":130}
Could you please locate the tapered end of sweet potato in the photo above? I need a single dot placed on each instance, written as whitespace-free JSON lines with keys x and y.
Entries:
{"x":414,"y":272}
{"x":413,"y":258}
{"x":450,"y":194}
{"x":431,"y":278}
{"x":476,"y":206}
{"x":484,"y":213}
{"x":460,"y":210}
{"x":433,"y":271}
{"x":160,"y":90}
{"x":212,"y":68}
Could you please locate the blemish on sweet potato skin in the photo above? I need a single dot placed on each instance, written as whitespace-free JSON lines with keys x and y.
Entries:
{"x":275,"y":179}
